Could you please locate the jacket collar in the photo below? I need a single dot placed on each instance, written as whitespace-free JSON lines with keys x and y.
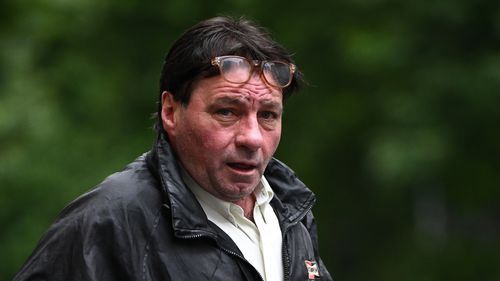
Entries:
{"x":291,"y":202}
{"x":292,"y":198}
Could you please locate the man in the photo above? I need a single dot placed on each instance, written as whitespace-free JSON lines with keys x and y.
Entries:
{"x":208,"y":202}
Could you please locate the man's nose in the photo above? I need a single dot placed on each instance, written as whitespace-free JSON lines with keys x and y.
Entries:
{"x":250,"y":134}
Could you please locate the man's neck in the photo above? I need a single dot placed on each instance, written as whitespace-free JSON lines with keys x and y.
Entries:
{"x":247,"y":203}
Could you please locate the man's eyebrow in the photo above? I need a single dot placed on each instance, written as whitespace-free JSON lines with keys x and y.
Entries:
{"x":241,"y":100}
{"x":230,"y":100}
{"x":227,"y":100}
{"x":272,"y":104}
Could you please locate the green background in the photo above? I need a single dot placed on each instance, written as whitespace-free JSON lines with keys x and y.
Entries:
{"x":397,"y":132}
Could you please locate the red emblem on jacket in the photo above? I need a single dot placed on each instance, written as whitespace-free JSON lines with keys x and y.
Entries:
{"x":312,"y":269}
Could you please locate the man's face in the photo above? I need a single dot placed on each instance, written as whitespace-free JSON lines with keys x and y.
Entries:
{"x":227,"y":133}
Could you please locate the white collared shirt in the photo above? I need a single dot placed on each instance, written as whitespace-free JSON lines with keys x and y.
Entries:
{"x":261,"y":242}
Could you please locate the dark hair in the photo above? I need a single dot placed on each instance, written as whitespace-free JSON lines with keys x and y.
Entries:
{"x":188,"y":60}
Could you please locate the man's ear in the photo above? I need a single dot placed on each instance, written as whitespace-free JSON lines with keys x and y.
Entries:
{"x":169,"y":107}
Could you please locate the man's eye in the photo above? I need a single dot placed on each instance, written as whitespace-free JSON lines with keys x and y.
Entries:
{"x":268,"y":115}
{"x":225,"y":112}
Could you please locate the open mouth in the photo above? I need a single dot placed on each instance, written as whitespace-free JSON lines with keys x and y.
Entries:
{"x":242,"y":167}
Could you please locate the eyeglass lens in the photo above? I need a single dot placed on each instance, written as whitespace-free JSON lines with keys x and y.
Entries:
{"x":238,"y":70}
{"x":235,"y":69}
{"x":277,"y":74}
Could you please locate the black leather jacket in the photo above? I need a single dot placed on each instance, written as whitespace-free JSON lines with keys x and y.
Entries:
{"x":144,"y":224}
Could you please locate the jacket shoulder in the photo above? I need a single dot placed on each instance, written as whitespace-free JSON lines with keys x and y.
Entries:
{"x":134,"y":188}
{"x":87,"y":240}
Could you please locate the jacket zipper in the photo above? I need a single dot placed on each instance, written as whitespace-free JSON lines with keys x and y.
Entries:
{"x":286,"y":256}
{"x":225,"y":250}
{"x":286,"y":261}
{"x":243,"y":259}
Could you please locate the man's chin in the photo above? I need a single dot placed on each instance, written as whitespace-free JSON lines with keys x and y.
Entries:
{"x":238,"y":190}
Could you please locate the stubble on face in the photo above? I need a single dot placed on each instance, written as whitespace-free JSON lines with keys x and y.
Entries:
{"x":227,"y":134}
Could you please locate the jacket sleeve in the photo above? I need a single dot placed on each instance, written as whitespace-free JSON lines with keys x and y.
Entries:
{"x":311,"y":226}
{"x":85,"y":243}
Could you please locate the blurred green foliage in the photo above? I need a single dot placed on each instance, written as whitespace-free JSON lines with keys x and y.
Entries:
{"x":397,"y":131}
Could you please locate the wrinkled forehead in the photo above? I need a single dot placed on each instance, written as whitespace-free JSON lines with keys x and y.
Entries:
{"x":254,"y":90}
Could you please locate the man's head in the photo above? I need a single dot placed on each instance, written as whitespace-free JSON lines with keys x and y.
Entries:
{"x":222,"y":89}
{"x":189,"y":59}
